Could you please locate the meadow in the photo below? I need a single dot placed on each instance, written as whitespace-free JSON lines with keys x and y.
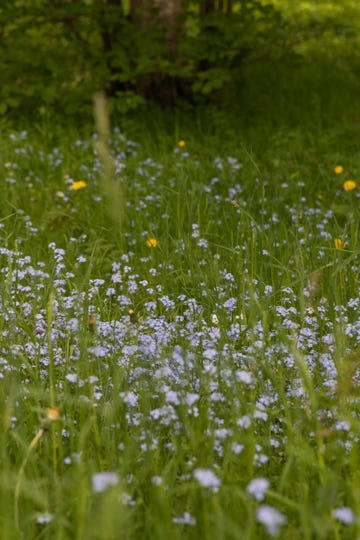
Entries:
{"x":180,"y":325}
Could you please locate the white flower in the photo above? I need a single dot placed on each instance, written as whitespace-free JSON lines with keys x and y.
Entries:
{"x":101,"y":481}
{"x":244,"y":421}
{"x":186,"y":519}
{"x":230,"y":304}
{"x":157,"y":480}
{"x":207,"y":478}
{"x":258,"y":487}
{"x":344,"y":514}
{"x":260,"y":415}
{"x":130,"y":398}
{"x":343,"y":425}
{"x":71,"y":377}
{"x":191,"y":398}
{"x":126,"y":499}
{"x":44,"y":518}
{"x":172,"y":397}
{"x":271,"y":518}
{"x":243,"y":376}
{"x":237,"y":448}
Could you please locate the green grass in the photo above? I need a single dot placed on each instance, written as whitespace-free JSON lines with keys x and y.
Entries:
{"x":227,"y":353}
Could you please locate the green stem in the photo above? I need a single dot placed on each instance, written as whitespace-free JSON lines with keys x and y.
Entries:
{"x":31,"y":447}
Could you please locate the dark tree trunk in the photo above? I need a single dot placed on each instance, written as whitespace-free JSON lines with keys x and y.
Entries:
{"x":206,"y":6}
{"x":108,"y":32}
{"x":144,"y":14}
{"x":109,"y":14}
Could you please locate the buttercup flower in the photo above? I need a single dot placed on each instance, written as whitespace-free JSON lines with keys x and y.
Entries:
{"x":349,"y":185}
{"x":151,"y":242}
{"x":80,"y":184}
{"x":338,"y":169}
{"x":339,"y":244}
{"x":53,"y":414}
{"x":181,"y":144}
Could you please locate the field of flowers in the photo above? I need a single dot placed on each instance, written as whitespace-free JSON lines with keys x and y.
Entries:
{"x":184,"y":364}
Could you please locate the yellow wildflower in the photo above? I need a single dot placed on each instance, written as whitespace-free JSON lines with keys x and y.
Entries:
{"x":338,"y":169}
{"x":151,"y":242}
{"x":80,"y":184}
{"x":52,"y":414}
{"x":181,"y":144}
{"x":349,"y":185}
{"x":339,"y":244}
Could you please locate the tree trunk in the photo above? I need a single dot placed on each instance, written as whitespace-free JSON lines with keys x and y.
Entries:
{"x":145,"y":13}
{"x":108,"y":33}
{"x":206,"y":6}
{"x":229,"y":7}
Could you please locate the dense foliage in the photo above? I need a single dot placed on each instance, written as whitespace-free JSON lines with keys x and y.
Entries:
{"x":56,"y":53}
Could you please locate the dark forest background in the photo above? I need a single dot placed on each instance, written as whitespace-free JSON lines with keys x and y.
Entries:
{"x":251,"y":55}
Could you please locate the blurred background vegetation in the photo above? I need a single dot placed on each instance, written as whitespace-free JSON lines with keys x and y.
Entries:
{"x":258,"y":58}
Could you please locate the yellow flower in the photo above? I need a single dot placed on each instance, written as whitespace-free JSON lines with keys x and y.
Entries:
{"x":349,"y":185}
{"x":339,"y":244}
{"x":151,"y":242}
{"x":52,"y":414}
{"x":338,"y":169}
{"x":80,"y":184}
{"x":181,"y":144}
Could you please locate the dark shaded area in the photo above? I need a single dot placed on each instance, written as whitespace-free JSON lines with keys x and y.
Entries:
{"x":232,"y":54}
